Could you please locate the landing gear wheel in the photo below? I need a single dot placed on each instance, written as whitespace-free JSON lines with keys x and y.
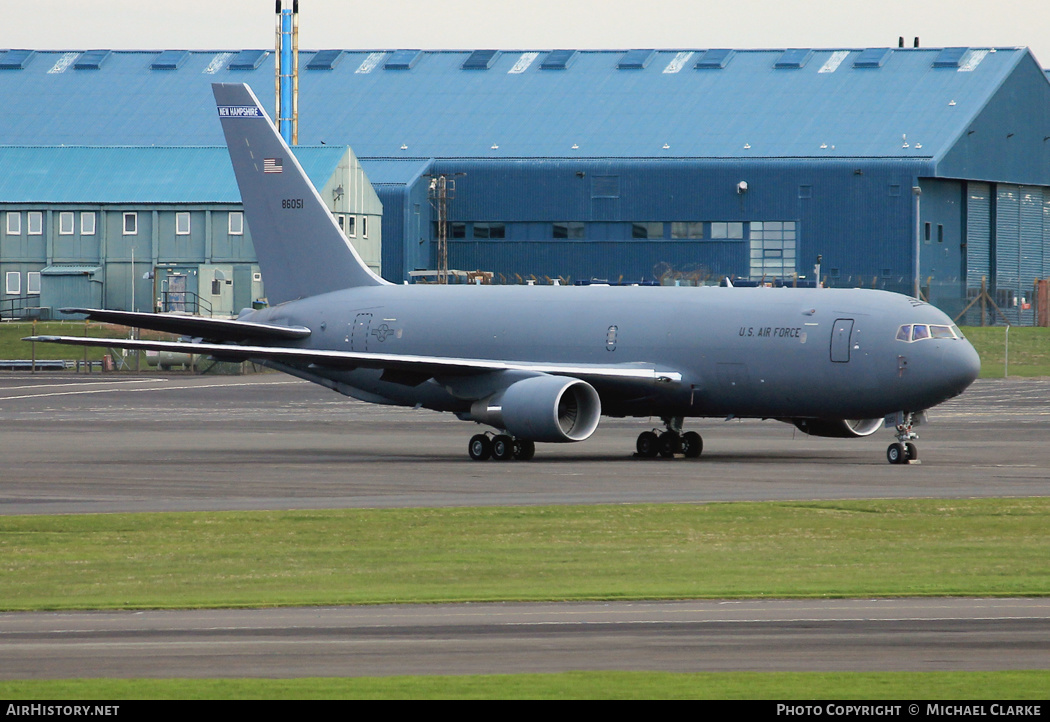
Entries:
{"x":692,"y":445}
{"x":648,"y":445}
{"x":670,"y":444}
{"x":480,"y":448}
{"x":911,"y":452}
{"x":896,"y":454}
{"x":503,"y":448}
{"x":524,"y":450}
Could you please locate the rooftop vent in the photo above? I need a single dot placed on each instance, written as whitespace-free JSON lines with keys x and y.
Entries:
{"x":325,"y":60}
{"x":950,"y":57}
{"x":872,"y":58}
{"x":635,"y":59}
{"x":15,"y":59}
{"x":480,"y":60}
{"x":794,"y":59}
{"x":91,"y":60}
{"x":403,"y":59}
{"x":559,"y":59}
{"x":248,"y":59}
{"x":714,"y":59}
{"x":169,"y":60}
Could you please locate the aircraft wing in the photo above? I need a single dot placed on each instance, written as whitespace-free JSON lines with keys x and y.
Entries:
{"x":417,"y":368}
{"x":214,"y":329}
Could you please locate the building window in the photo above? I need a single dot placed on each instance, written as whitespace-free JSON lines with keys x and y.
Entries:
{"x":568,"y":229}
{"x":364,"y":226}
{"x":772,"y":249}
{"x":647,"y":230}
{"x":687,"y":230}
{"x":33,"y":283}
{"x":182,"y":224}
{"x":14,"y":224}
{"x":216,"y":287}
{"x":36,"y":223}
{"x":65,"y":223}
{"x":490,"y":230}
{"x":351,"y":225}
{"x":14,"y":283}
{"x":940,"y":233}
{"x":236,"y":225}
{"x":87,"y":223}
{"x":926,"y":233}
{"x":131,"y":223}
{"x":731,"y":231}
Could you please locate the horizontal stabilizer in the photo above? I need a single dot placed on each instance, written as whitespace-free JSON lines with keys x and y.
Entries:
{"x":214,"y":329}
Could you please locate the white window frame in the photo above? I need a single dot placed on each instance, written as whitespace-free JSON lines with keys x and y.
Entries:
{"x":66,"y":223}
{"x":364,"y":226}
{"x":87,"y":223}
{"x":134,"y":217}
{"x":179,"y":218}
{"x":13,"y":283}
{"x":37,"y":216}
{"x":33,"y":283}
{"x":351,"y":227}
{"x":239,"y":230}
{"x":14,"y":223}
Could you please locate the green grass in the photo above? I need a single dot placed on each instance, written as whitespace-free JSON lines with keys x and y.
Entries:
{"x":1013,"y":686}
{"x":13,"y":347}
{"x":355,"y":556}
{"x":1029,"y":350}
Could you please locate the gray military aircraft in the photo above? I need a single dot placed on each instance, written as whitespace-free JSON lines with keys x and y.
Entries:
{"x":543,"y":364}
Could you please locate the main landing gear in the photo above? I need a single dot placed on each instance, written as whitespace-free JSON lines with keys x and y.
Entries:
{"x":670,"y":442}
{"x":903,"y":451}
{"x":500,"y":447}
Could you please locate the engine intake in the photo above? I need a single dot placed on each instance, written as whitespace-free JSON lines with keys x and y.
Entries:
{"x":838,"y":428}
{"x":542,"y":408}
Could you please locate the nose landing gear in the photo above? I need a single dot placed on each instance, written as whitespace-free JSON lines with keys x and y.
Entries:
{"x":903,"y":451}
{"x":670,"y":442}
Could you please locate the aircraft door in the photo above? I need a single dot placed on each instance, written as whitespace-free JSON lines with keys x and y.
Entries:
{"x":840,"y":340}
{"x":360,"y":331}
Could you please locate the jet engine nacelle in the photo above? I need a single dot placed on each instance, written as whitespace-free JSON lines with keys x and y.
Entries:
{"x":543,"y":408}
{"x":838,"y":428}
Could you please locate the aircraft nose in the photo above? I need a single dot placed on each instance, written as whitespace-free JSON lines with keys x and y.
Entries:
{"x":960,"y":366}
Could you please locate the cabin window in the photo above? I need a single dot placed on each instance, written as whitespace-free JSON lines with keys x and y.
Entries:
{"x":14,"y":224}
{"x":236,"y":224}
{"x":182,"y":224}
{"x":87,"y":223}
{"x":131,"y":223}
{"x":33,"y":283}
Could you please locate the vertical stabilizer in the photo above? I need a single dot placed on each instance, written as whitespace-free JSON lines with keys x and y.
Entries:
{"x":301,"y":250}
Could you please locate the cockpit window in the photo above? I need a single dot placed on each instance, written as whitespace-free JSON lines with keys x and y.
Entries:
{"x":919,"y":331}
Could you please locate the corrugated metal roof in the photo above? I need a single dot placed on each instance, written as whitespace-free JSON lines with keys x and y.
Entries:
{"x":431,"y":107}
{"x":77,"y":174}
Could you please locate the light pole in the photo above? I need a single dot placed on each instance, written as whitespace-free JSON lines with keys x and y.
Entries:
{"x":917,"y":191}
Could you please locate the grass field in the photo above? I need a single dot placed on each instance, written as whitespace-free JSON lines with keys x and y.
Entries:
{"x":1000,"y":686}
{"x":1029,"y":350}
{"x":362,"y":556}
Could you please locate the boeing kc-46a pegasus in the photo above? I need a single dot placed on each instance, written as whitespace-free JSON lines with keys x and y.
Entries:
{"x":545,"y":363}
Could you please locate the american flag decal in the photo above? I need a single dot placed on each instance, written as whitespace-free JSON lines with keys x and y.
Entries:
{"x":272,"y":165}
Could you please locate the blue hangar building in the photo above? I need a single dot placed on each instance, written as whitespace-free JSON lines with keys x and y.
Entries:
{"x":640,"y":165}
